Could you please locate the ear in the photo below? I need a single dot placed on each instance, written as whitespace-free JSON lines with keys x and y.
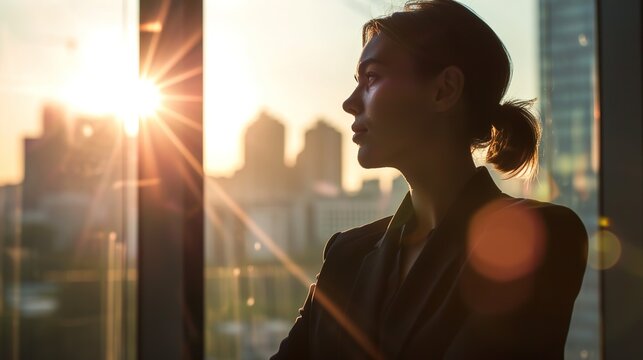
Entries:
{"x":449,"y":87}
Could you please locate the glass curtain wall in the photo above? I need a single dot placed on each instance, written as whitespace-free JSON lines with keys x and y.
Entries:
{"x":570,"y":148}
{"x":66,"y":200}
{"x":282,"y":170}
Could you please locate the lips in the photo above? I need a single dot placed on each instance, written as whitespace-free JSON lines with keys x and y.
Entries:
{"x":359,"y":130}
{"x":357,"y":127}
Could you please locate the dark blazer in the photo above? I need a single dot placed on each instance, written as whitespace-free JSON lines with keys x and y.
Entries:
{"x":497,"y":279}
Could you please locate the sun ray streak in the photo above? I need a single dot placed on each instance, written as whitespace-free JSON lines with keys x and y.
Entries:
{"x":344,"y":321}
{"x":183,"y":150}
{"x":181,"y":118}
{"x":145,"y":148}
{"x":190,"y":181}
{"x":180,"y":77}
{"x":342,"y":318}
{"x":136,"y":183}
{"x":281,"y":255}
{"x":151,"y":52}
{"x":180,"y":53}
{"x":182,"y":98}
{"x":296,"y":270}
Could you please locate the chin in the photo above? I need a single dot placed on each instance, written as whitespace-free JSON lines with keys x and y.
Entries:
{"x":368,"y":159}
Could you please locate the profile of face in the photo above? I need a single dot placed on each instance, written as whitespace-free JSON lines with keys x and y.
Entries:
{"x":396,"y":116}
{"x":392,"y":116}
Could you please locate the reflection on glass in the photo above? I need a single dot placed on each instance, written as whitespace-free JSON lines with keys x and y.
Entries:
{"x":65,"y":288}
{"x":282,"y":171}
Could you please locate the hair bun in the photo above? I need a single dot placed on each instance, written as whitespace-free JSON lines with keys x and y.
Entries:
{"x":515,"y":137}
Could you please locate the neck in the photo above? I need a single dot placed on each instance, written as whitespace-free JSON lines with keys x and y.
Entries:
{"x":433,"y":190}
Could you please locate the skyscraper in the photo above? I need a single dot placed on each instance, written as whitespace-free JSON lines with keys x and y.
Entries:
{"x":319,"y":165}
{"x":43,"y":156}
{"x":264,"y":176}
{"x":265,"y":144}
{"x":567,"y":67}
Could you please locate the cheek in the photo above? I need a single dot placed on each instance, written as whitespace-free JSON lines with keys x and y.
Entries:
{"x":399,"y":104}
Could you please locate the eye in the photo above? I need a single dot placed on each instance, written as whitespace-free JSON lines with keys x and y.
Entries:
{"x":371,"y":77}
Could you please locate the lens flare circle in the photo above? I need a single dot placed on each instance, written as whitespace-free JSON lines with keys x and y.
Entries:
{"x":605,"y":250}
{"x":506,"y":241}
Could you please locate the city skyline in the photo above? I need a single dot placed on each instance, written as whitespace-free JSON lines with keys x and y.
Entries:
{"x":305,"y":75}
{"x":58,"y":120}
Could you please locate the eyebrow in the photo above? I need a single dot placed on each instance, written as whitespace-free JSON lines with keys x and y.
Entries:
{"x":363,"y":64}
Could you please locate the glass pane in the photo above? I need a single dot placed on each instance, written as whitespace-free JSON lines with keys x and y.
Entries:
{"x":570,"y":162}
{"x":66,"y":285}
{"x":283,"y":175}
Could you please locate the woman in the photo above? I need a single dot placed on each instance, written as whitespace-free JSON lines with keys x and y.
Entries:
{"x":462,"y":270}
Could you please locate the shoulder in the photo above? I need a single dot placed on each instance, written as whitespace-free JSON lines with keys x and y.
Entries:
{"x":359,"y":238}
{"x":561,"y":225}
{"x":565,"y":238}
{"x":555,"y":220}
{"x":524,"y":273}
{"x":555,"y":233}
{"x":540,"y":234}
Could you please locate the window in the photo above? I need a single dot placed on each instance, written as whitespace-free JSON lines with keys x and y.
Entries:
{"x":66,"y":282}
{"x":282,"y":171}
{"x":214,"y":208}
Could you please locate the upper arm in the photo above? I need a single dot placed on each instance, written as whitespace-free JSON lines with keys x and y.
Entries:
{"x":562,"y":269}
{"x":296,"y":344}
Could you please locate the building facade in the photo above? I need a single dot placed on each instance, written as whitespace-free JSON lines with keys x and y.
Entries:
{"x":570,"y":140}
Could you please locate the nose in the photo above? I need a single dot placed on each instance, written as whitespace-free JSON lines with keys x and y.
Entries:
{"x":353,"y":104}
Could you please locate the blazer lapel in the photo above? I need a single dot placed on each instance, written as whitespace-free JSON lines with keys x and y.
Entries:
{"x":437,"y":266}
{"x":367,"y":291}
{"x":424,"y":287}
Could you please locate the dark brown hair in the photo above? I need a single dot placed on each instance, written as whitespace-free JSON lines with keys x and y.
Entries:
{"x":441,"y":33}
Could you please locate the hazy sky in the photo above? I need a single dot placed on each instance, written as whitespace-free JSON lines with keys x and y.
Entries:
{"x":292,"y":58}
{"x":48,"y":47}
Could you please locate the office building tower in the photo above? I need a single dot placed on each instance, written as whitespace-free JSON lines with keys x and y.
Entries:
{"x":319,"y":165}
{"x":567,"y":68}
{"x":264,"y":175}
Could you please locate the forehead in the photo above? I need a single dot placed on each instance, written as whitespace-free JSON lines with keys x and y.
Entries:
{"x":385,"y":50}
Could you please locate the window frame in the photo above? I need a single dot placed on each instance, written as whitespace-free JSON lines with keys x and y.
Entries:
{"x":170,"y":252}
{"x":621,"y":172}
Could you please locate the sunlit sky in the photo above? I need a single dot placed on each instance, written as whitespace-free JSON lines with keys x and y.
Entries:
{"x":292,"y":58}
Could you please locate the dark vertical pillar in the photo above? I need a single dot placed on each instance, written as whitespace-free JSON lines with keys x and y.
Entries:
{"x":170,"y":170}
{"x":621,"y":202}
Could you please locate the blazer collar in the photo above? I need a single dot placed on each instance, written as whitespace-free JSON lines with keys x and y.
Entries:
{"x":396,"y":225}
{"x":442,"y":248}
{"x":475,"y":192}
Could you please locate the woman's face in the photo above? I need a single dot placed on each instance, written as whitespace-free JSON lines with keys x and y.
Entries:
{"x":394,"y":120}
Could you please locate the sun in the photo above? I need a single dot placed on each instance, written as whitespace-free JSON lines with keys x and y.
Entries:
{"x":128,"y":100}
{"x":142,"y":100}
{"x":106,"y":81}
{"x":148,"y":98}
